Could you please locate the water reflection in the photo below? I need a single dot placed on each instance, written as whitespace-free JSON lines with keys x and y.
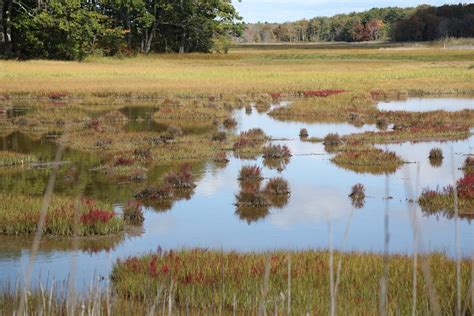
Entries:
{"x":207,"y":217}
{"x":428,"y":104}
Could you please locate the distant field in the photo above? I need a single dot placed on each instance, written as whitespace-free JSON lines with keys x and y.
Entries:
{"x":246,"y":71}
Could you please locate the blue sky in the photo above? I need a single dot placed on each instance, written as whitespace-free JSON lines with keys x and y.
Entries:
{"x":290,"y":10}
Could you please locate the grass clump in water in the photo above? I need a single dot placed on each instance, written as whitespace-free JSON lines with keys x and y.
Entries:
{"x":436,"y":157}
{"x":276,"y":152}
{"x":250,"y":173}
{"x":442,"y":200}
{"x":183,"y":179}
{"x":133,"y":213}
{"x":357,"y":195}
{"x":20,"y":215}
{"x":304,"y":133}
{"x":367,"y":160}
{"x":249,"y":143}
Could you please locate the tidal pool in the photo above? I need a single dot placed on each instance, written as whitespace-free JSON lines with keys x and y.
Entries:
{"x":428,"y":104}
{"x":318,"y":204}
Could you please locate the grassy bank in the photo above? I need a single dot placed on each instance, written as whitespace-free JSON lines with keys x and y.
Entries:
{"x":19,"y":214}
{"x":244,"y":71}
{"x":200,"y":281}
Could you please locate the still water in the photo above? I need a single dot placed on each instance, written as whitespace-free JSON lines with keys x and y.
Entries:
{"x":318,"y":204}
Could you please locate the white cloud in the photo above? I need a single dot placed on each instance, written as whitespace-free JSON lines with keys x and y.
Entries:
{"x":290,"y":10}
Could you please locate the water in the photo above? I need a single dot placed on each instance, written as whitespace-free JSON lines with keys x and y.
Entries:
{"x":209,"y":219}
{"x":428,"y":104}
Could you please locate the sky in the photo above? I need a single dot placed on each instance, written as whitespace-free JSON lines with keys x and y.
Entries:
{"x":291,"y":10}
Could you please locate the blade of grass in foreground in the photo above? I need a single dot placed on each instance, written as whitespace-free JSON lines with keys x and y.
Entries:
{"x":425,"y":269}
{"x":41,"y":223}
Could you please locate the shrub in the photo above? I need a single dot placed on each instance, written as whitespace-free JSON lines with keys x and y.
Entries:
{"x":277,"y":186}
{"x":250,"y":173}
{"x":133,"y":213}
{"x":436,"y":154}
{"x":248,"y":110}
{"x":230,"y":123}
{"x":162,"y":193}
{"x":357,"y":195}
{"x":381,"y":124}
{"x":219,"y":136}
{"x":221,"y":157}
{"x":251,"y":199}
{"x":276,"y":151}
{"x":332,"y":139}
{"x":182,"y":180}
{"x":304,"y":133}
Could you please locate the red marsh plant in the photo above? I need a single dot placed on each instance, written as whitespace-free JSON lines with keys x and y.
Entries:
{"x":221,"y":158}
{"x":20,"y":214}
{"x":250,"y":141}
{"x":322,"y":93}
{"x":133,"y":213}
{"x":276,"y":152}
{"x":203,"y":277}
{"x":465,"y":186}
{"x":250,"y":173}
{"x":183,"y":179}
{"x":57,"y":95}
{"x":230,"y":123}
{"x":434,"y":201}
{"x":276,"y":97}
{"x":123,"y":161}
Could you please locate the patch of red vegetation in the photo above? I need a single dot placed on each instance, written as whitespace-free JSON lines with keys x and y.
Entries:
{"x":94,"y":216}
{"x":276,"y":96}
{"x":465,"y":186}
{"x":181,"y":180}
{"x":322,"y":93}
{"x":56,"y":95}
{"x":123,"y":161}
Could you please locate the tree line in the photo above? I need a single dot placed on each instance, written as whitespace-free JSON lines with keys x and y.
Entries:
{"x":423,"y":23}
{"x":73,"y":29}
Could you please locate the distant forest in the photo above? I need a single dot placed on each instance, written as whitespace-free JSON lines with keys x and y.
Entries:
{"x":423,"y":23}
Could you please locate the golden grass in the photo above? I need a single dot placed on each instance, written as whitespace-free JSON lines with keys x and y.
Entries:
{"x":245,"y":71}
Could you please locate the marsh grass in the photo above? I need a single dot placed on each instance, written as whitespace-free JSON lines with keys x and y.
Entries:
{"x":10,"y":159}
{"x":436,"y":157}
{"x":245,"y":71}
{"x":371,"y":160}
{"x":203,"y":275}
{"x":450,"y":199}
{"x":20,"y":214}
